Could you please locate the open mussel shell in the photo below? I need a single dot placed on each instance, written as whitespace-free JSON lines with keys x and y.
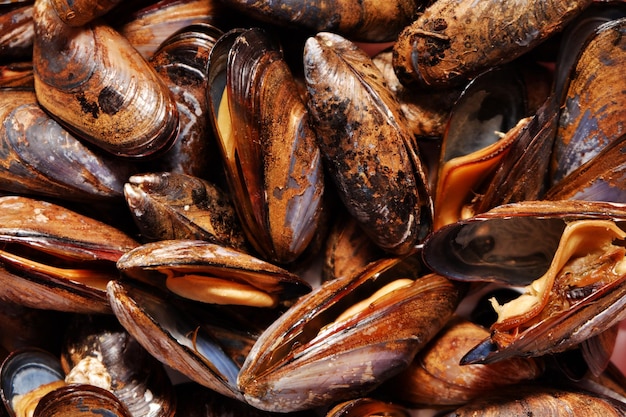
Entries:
{"x":367,"y":407}
{"x":476,"y":139}
{"x":453,"y":41}
{"x":39,"y":157}
{"x":362,"y":21}
{"x":315,"y":354}
{"x":211,"y":273}
{"x":55,"y":258}
{"x":168,"y":206}
{"x":100,"y":87}
{"x":366,"y":143}
{"x":172,"y":334}
{"x":512,"y":244}
{"x":569,"y":255}
{"x":25,"y":376}
{"x":97,"y":350}
{"x":81,"y":400}
{"x":272,"y":161}
{"x":591,"y":114}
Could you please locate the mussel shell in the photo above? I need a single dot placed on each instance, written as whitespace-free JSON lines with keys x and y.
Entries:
{"x":25,"y":370}
{"x":80,"y":400}
{"x":147,"y":28}
{"x":153,"y":261}
{"x":540,"y":400}
{"x":357,"y":20}
{"x":182,"y":60}
{"x":305,"y":359}
{"x":168,"y":206}
{"x":64,"y":237}
{"x":17,"y":32}
{"x":367,"y":146}
{"x":591,"y":116}
{"x":272,"y":161}
{"x":435,"y":377}
{"x":137,"y":379}
{"x":81,"y":12}
{"x":513,"y":243}
{"x":100,"y":87}
{"x":39,"y":157}
{"x":453,"y":41}
{"x":175,"y":337}
{"x":367,"y":407}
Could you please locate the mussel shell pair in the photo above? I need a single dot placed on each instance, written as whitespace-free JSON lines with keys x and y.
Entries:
{"x":307,"y":359}
{"x":100,"y":87}
{"x":54,"y":258}
{"x":515,"y":244}
{"x":367,"y":145}
{"x":272,"y":162}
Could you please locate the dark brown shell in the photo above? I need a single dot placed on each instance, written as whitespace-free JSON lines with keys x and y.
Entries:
{"x":17,"y":32}
{"x":367,"y":146}
{"x":169,"y":206}
{"x":367,"y":407}
{"x":80,"y":400}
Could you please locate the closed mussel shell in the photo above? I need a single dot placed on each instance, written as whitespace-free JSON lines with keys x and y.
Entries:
{"x":40,"y":157}
{"x":272,"y":162}
{"x":453,"y":41}
{"x":55,"y":258}
{"x":315,"y":354}
{"x":211,"y":273}
{"x":367,"y":146}
{"x":100,"y":87}
{"x":80,"y":400}
{"x":181,"y":61}
{"x":367,"y":407}
{"x":16,"y":32}
{"x":168,"y":206}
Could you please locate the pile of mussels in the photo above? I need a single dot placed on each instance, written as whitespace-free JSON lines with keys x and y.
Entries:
{"x":231,"y":208}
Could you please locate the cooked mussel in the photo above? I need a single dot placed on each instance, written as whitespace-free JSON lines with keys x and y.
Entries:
{"x":211,"y":273}
{"x":100,"y":87}
{"x":54,"y":258}
{"x":272,"y":161}
{"x":335,"y":343}
{"x":367,"y":146}
{"x":569,"y":256}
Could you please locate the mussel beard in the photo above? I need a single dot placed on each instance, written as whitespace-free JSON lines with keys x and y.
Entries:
{"x":589,"y":261}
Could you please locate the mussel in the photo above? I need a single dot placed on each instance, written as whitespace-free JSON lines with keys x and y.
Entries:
{"x":367,"y":146}
{"x":335,"y":343}
{"x":569,"y":256}
{"x":100,"y":87}
{"x":272,"y":161}
{"x":55,"y":258}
